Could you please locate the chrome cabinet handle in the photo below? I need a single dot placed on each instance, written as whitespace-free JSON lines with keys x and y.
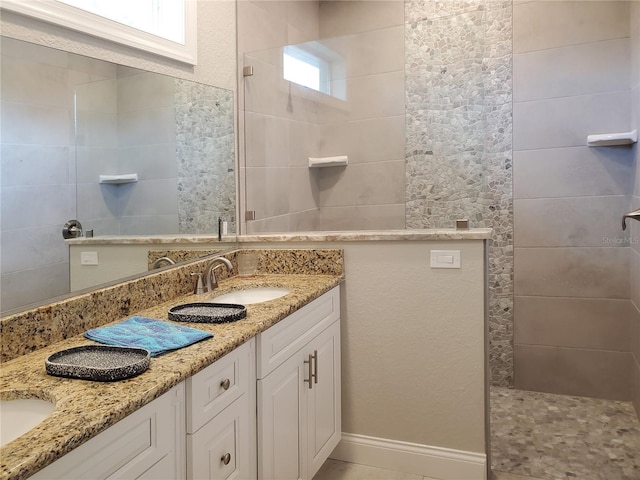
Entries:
{"x":309,"y":362}
{"x":315,"y":366}
{"x":226,"y":458}
{"x":225,"y":384}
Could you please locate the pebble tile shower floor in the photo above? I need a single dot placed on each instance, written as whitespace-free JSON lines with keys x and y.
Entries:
{"x":554,"y":437}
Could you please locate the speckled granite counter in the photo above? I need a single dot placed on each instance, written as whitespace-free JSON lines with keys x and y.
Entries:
{"x":84,"y":409}
{"x":341,"y":236}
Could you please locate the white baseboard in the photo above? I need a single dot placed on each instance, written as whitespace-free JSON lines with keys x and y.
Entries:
{"x":435,"y":462}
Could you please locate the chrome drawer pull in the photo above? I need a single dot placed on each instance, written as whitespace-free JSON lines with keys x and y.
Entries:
{"x":315,"y":366}
{"x":225,"y":384}
{"x":310,"y":363}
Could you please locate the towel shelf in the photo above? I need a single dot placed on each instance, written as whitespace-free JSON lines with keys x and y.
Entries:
{"x":118,"y":179}
{"x":612,"y":139}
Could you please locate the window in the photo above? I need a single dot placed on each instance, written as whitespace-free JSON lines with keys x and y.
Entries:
{"x":162,"y":27}
{"x":314,"y":66}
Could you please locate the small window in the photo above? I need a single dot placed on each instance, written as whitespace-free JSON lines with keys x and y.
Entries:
{"x":314,"y":66}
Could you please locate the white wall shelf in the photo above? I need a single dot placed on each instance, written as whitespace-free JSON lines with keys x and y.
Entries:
{"x":339,"y":161}
{"x":118,"y":179}
{"x":612,"y":139}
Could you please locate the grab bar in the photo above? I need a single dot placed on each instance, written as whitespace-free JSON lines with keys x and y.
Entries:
{"x":635,"y":215}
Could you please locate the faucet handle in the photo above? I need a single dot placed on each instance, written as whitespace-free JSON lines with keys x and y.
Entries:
{"x":199,"y":290}
{"x":635,"y":215}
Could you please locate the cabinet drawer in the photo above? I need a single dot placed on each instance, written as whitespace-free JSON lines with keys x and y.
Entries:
{"x":221,"y":448}
{"x":213,"y":389}
{"x":278,"y":343}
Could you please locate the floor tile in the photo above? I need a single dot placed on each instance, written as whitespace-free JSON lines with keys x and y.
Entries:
{"x":559,"y":436}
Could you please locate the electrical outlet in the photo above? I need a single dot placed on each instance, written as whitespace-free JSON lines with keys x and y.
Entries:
{"x":88,"y":258}
{"x":445,"y":258}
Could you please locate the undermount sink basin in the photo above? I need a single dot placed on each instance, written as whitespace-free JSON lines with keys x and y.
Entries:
{"x":252,"y":295}
{"x":19,"y":416}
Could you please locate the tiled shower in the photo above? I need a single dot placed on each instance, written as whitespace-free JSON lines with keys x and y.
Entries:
{"x":496,"y":111}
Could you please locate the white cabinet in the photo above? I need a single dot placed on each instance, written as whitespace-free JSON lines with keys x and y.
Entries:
{"x":298,"y":398}
{"x":221,"y":418}
{"x":148,"y":444}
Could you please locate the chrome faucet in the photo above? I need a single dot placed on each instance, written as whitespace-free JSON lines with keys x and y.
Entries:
{"x":210,"y":281}
{"x":635,"y":215}
{"x":159,"y":262}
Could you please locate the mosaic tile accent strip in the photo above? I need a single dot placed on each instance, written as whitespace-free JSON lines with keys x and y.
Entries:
{"x":205,"y":153}
{"x":458,"y":139}
{"x":559,"y":436}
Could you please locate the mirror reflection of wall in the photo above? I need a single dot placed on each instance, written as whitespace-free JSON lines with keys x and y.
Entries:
{"x":177,"y":135}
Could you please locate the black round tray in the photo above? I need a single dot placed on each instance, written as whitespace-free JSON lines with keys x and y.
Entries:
{"x":205,"y":312}
{"x":102,"y":363}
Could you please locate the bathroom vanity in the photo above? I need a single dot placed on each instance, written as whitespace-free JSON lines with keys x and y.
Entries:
{"x":193,"y":413}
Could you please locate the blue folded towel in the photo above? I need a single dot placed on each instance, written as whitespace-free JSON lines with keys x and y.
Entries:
{"x":155,"y":335}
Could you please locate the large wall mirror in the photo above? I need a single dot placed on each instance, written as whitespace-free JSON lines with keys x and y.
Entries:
{"x":124,"y":151}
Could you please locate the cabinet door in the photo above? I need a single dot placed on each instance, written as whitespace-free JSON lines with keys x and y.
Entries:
{"x":280,"y":409}
{"x":324,"y":400}
{"x":220,"y":450}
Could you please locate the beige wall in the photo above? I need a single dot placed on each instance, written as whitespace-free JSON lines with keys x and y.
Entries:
{"x":412,"y":343}
{"x":572,"y":308}
{"x":216,"y":44}
{"x":635,"y":203}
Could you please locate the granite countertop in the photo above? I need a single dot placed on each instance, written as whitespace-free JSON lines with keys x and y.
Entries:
{"x":83,"y":409}
{"x":432,"y":234}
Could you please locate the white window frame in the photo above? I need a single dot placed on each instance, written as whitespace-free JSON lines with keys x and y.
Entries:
{"x":76,"y":19}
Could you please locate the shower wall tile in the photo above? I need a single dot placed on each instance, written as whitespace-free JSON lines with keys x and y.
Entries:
{"x":363,"y":217}
{"x":570,"y":371}
{"x":262,"y":28}
{"x":371,"y":140}
{"x":543,"y":25}
{"x":585,"y":272}
{"x":304,"y":142}
{"x":33,"y":83}
{"x":35,"y":124}
{"x":303,"y":190}
{"x":571,"y":172}
{"x":44,"y":282}
{"x":373,"y":96}
{"x":634,"y":268}
{"x":366,"y":53}
{"x":148,"y":197}
{"x":353,"y":16}
{"x":634,"y":335}
{"x":31,"y":248}
{"x":146,"y":127}
{"x":98,"y":201}
{"x":268,"y":144}
{"x":91,"y":162}
{"x":34,"y":206}
{"x":149,"y":161}
{"x":34,"y":165}
{"x":566,"y":122}
{"x":564,"y":222}
{"x":97,"y":96}
{"x":144,"y":91}
{"x":154,"y":224}
{"x":592,"y":323}
{"x":303,"y":18}
{"x":96,"y":128}
{"x":269,"y":192}
{"x":377,"y":183}
{"x":575,"y":70}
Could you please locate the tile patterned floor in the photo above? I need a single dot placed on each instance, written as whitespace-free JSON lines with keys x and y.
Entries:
{"x":538,"y":436}
{"x":554,"y":437}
